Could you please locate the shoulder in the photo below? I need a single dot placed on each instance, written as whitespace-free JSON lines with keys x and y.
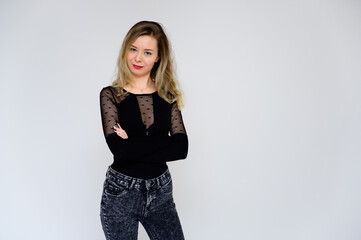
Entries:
{"x":114,"y":93}
{"x":107,"y":93}
{"x":110,"y":91}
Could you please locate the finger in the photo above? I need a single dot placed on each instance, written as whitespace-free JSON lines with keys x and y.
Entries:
{"x":124,"y":133}
{"x":119,"y":126}
{"x":124,"y":136}
{"x":120,"y":131}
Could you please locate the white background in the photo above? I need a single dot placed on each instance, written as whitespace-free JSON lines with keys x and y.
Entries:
{"x":273,"y":113}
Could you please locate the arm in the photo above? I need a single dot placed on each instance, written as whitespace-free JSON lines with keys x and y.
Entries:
{"x":177,"y":148}
{"x":126,"y":149}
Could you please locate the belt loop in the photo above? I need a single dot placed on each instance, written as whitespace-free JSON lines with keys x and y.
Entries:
{"x":158,"y":183}
{"x":132,"y":184}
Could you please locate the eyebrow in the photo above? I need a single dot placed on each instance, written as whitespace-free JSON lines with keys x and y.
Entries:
{"x":144,"y":49}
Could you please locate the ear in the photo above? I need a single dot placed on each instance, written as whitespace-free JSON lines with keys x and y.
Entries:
{"x":157,"y":59}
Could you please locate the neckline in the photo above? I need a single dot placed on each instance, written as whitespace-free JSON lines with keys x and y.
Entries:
{"x":140,"y":94}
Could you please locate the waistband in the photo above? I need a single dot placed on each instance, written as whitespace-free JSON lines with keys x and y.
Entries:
{"x":131,"y":182}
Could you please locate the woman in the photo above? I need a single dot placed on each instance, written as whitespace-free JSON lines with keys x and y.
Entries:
{"x":143,"y":128}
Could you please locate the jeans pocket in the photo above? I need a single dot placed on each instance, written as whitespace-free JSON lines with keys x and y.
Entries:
{"x":112,"y":188}
{"x":168,"y":187}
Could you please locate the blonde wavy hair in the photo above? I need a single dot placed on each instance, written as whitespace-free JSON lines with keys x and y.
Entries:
{"x":163,"y":72}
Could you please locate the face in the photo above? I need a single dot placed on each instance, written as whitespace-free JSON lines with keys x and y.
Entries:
{"x":142,"y":55}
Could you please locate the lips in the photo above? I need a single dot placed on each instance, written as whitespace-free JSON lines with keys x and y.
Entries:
{"x":137,"y":67}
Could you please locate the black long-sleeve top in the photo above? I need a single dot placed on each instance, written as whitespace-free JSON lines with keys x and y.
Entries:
{"x":155,"y":129}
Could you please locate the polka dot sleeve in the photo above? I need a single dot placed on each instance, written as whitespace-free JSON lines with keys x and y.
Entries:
{"x":109,"y":111}
{"x":177,"y":125}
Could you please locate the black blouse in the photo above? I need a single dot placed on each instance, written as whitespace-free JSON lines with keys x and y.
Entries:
{"x":155,"y":129}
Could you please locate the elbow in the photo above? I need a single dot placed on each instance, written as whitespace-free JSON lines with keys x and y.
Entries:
{"x":180,"y":146}
{"x":184,"y":150}
{"x":115,"y":145}
{"x":184,"y":156}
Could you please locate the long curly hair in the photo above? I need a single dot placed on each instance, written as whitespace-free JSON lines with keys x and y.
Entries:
{"x":163,"y":72}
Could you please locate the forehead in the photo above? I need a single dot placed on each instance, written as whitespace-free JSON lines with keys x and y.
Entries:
{"x":147,"y":42}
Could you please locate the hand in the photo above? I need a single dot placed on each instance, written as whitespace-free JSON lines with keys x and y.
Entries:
{"x":120,"y":131}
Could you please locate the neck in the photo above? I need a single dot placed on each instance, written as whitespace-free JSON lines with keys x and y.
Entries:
{"x":141,"y":85}
{"x":141,"y":82}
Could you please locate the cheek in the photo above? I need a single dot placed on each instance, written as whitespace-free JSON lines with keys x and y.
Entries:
{"x":129,"y":56}
{"x":128,"y":60}
{"x":151,"y":65}
{"x":151,"y":62}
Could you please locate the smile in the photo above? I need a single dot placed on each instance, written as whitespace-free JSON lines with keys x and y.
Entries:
{"x":137,"y":67}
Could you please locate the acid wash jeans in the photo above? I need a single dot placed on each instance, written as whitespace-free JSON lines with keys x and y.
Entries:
{"x":126,"y":201}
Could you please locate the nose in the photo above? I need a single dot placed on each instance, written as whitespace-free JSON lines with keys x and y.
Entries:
{"x":138,"y":57}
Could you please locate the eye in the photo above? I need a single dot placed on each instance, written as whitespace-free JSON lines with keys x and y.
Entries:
{"x":133,"y":49}
{"x":148,"y":53}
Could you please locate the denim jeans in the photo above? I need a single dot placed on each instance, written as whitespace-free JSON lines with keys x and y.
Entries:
{"x":126,"y":201}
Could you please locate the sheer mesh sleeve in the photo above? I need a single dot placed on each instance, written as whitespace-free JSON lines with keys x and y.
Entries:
{"x":109,"y":111}
{"x":177,"y":125}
